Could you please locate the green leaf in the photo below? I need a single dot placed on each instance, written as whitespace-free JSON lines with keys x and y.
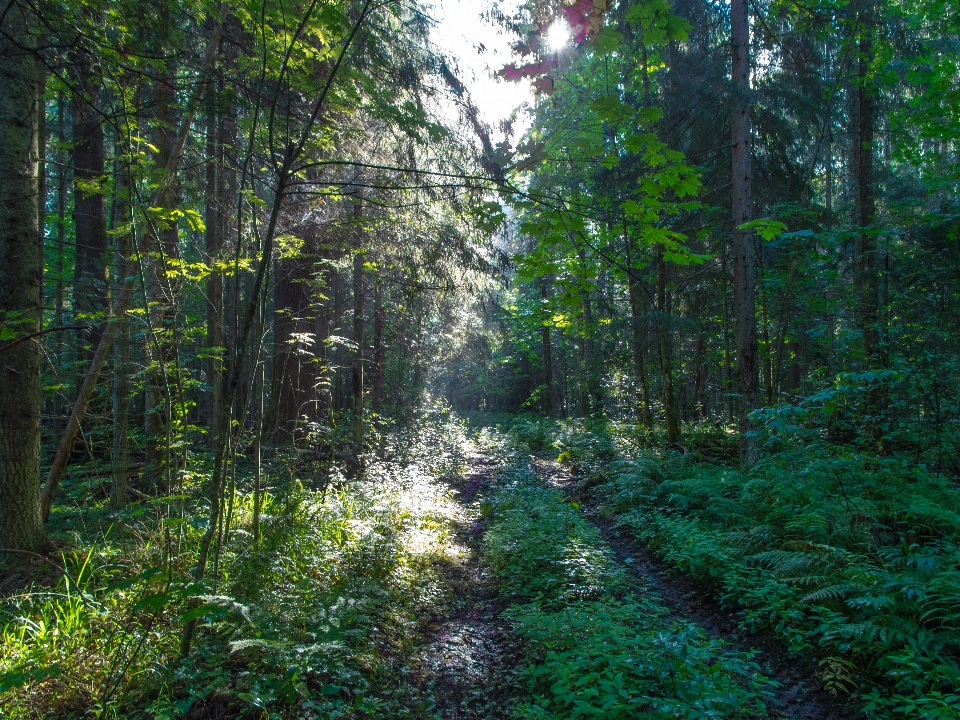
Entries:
{"x":11,"y":680}
{"x":611,"y":109}
{"x":607,"y":40}
{"x":154,"y":601}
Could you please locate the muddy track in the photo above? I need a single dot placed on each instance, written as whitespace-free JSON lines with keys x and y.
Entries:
{"x":467,"y":661}
{"x":799,"y":693}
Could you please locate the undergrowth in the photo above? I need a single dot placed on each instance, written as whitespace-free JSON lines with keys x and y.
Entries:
{"x":596,"y":646}
{"x":850,"y":558}
{"x":314,"y":621}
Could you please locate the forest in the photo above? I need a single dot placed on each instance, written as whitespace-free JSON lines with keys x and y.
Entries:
{"x":327,"y":393}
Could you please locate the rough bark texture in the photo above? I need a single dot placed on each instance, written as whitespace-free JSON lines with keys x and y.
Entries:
{"x":21,"y":268}
{"x":744,"y":250}
{"x":358,"y":260}
{"x":376,"y":368}
{"x":866,"y":277}
{"x":213,"y":240}
{"x":91,"y":279}
{"x":637,"y":339}
{"x":666,"y":351}
{"x":120,"y":449}
{"x":162,"y":245}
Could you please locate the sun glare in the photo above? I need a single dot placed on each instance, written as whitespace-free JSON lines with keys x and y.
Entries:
{"x":558,"y":35}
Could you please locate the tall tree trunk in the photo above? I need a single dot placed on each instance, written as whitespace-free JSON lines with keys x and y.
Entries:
{"x":58,"y":303}
{"x":376,"y":369}
{"x":162,"y":246}
{"x":358,"y":260}
{"x":123,"y":250}
{"x":213,"y":241}
{"x":637,"y":333}
{"x":744,"y":249}
{"x":727,"y":361}
{"x":91,"y":278}
{"x":666,"y":351}
{"x":866,"y":277}
{"x":22,"y":81}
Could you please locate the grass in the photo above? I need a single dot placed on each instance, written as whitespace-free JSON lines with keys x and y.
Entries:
{"x":597,"y":646}
{"x":849,"y":558}
{"x":317,"y":620}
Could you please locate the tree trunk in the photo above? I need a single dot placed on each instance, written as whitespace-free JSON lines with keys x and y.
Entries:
{"x":666,"y":351}
{"x":21,"y":273}
{"x":636,"y":335}
{"x":744,"y":250}
{"x":358,"y":260}
{"x":376,"y":369}
{"x":866,"y":278}
{"x":213,"y":241}
{"x":162,"y":245}
{"x":294,"y":376}
{"x":123,"y":249}
{"x":58,"y":304}
{"x":91,"y":278}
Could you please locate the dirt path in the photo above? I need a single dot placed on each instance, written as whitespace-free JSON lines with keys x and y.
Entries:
{"x":465,"y":666}
{"x":799,"y":693}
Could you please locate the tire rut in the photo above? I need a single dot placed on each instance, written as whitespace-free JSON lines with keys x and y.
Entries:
{"x":465,"y":663}
{"x":798,"y":694}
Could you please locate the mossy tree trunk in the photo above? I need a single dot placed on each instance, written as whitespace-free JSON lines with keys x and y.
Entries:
{"x":21,"y":274}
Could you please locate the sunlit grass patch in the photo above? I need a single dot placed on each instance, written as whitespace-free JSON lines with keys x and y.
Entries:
{"x":316,"y":619}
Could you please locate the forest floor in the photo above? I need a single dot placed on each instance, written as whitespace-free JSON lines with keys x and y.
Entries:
{"x":470,"y":662}
{"x":494,"y":584}
{"x":466,"y":662}
{"x":796,"y":689}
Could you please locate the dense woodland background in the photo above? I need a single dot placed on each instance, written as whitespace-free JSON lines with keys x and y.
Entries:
{"x":249,"y":243}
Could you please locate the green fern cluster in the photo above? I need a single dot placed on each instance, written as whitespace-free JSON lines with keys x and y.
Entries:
{"x":595,"y":645}
{"x":852,"y":559}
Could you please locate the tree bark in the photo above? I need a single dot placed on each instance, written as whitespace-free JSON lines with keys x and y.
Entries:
{"x":744,"y":250}
{"x":376,"y":369}
{"x":358,"y":260}
{"x":162,"y":245}
{"x":666,"y":351}
{"x":294,"y":374}
{"x":91,"y":277}
{"x":213,"y":242}
{"x":58,"y":303}
{"x":22,"y":80}
{"x":866,"y":276}
{"x":636,"y":335}
{"x":123,"y":249}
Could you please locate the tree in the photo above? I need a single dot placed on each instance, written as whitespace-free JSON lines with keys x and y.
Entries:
{"x":22,"y":80}
{"x":744,"y":248}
